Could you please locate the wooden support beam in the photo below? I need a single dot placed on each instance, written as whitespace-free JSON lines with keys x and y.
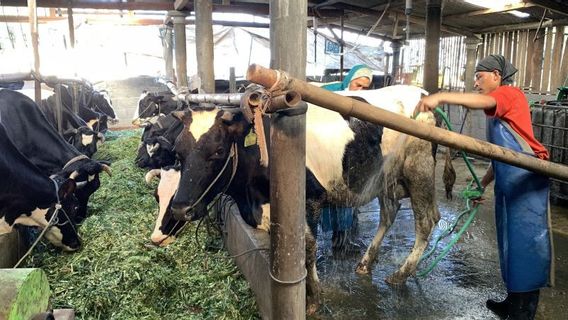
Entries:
{"x":204,"y":45}
{"x":524,"y":26}
{"x":443,"y":27}
{"x":32,"y":8}
{"x":552,"y":6}
{"x":504,"y":9}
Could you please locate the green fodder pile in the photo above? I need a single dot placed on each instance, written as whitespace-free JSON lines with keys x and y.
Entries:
{"x":116,"y":275}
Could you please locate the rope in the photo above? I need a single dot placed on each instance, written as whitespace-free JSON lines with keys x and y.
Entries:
{"x":469,"y":194}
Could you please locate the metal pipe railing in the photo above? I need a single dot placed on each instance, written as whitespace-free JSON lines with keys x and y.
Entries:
{"x":279,"y":82}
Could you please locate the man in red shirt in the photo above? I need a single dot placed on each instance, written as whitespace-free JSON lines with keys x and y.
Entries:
{"x":521,"y":197}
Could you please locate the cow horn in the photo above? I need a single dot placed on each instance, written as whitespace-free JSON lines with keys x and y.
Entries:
{"x":101,"y":137}
{"x":74,"y":175}
{"x":151,"y":174}
{"x":106,"y":169}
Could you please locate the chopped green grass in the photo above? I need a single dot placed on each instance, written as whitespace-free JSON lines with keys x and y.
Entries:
{"x":116,"y":276}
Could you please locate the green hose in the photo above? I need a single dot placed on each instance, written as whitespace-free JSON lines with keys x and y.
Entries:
{"x":469,"y":194}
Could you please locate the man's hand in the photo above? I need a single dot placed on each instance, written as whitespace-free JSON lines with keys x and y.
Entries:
{"x":428,"y":103}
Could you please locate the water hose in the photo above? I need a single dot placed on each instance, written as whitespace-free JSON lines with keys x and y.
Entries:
{"x":469,"y":194}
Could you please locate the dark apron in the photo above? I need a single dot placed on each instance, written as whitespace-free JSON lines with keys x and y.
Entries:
{"x":522,"y":216}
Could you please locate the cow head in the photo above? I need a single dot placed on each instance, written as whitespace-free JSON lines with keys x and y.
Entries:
{"x":101,"y":103}
{"x":84,"y":139}
{"x":157,"y":147}
{"x":209,"y":164}
{"x":166,"y":226}
{"x":149,"y":105}
{"x":63,"y":231}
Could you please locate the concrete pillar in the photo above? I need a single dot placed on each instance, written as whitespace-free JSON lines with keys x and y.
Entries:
{"x":395,"y":45}
{"x":204,"y":45}
{"x":470,"y":47}
{"x":288,"y":27}
{"x":168,"y":49}
{"x":433,"y":14}
{"x":180,"y":48}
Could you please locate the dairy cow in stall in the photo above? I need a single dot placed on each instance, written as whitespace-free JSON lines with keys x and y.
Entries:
{"x":29,"y":197}
{"x":37,"y":140}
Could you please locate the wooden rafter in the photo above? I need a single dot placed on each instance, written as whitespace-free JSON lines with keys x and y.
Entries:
{"x":506,"y":8}
{"x":552,"y":6}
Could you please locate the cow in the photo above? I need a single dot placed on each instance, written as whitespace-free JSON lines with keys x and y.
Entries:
{"x":156,"y":147}
{"x":164,"y":234}
{"x":75,"y":129}
{"x":343,"y":160}
{"x":36,"y":139}
{"x":152,"y":104}
{"x":29,"y":197}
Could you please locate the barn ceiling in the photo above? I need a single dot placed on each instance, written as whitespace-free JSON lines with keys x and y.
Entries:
{"x":458,"y":16}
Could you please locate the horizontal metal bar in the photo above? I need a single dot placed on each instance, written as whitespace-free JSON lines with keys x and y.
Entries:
{"x":233,"y":99}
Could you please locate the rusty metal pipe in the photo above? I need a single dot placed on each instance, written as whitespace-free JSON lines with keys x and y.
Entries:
{"x":289,"y":99}
{"x":364,"y":111}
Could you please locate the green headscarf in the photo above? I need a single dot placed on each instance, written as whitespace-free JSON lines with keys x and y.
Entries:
{"x":357,"y":71}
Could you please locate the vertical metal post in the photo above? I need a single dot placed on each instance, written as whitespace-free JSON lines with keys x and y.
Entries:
{"x":168,"y":50}
{"x":232,"y":81}
{"x":58,"y":108}
{"x":180,"y":48}
{"x":434,"y":10}
{"x":341,"y":50}
{"x":75,"y":97}
{"x":35,"y":44}
{"x":288,"y":27}
{"x":204,"y":45}
{"x":395,"y":45}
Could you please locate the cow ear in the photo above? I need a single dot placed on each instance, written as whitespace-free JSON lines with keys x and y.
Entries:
{"x":67,"y":188}
{"x":227,"y":116}
{"x":184,"y":116}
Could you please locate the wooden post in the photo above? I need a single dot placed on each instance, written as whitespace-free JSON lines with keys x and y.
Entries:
{"x":25,"y":292}
{"x":288,"y":24}
{"x":168,"y":50}
{"x":470,"y":47}
{"x":180,"y":48}
{"x":341,"y":50}
{"x":71,"y":27}
{"x":536,"y":60}
{"x":434,"y":9}
{"x":204,"y":45}
{"x":35,"y":44}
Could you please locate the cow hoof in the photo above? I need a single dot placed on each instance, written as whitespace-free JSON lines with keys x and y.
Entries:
{"x":311,"y":309}
{"x":396,"y":279}
{"x":362,"y":269}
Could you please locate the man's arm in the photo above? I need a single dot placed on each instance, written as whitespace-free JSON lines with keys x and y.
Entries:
{"x":468,"y":100}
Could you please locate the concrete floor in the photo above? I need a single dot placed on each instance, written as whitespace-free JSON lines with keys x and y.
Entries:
{"x":456,"y":289}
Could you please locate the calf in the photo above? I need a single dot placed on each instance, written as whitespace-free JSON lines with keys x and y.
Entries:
{"x":36,"y":139}
{"x":28,"y":197}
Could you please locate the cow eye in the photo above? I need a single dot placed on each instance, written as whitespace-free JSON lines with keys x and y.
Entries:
{"x":218,"y":153}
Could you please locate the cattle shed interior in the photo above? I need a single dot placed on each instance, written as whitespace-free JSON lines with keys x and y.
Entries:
{"x":136,"y":55}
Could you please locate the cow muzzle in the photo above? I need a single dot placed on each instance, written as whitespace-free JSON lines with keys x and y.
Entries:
{"x":184,"y":213}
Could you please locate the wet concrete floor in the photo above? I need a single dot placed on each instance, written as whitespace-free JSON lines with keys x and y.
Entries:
{"x":456,"y":289}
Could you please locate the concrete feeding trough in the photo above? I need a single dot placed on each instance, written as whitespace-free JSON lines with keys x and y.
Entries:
{"x":247,"y":244}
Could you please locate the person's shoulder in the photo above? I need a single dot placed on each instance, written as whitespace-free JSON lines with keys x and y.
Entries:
{"x":510,"y":92}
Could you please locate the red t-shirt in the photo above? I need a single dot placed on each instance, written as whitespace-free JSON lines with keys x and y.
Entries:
{"x":513,"y":107}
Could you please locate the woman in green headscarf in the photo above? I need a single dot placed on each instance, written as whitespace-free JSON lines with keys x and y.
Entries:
{"x":340,"y":219}
{"x":358,"y":78}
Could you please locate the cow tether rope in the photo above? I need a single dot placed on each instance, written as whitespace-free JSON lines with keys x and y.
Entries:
{"x":52,"y":221}
{"x":233,"y":154}
{"x":470,"y":194}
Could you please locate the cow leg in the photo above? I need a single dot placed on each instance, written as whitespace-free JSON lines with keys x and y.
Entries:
{"x":419,"y":177}
{"x":313,"y":290}
{"x":389,"y":208}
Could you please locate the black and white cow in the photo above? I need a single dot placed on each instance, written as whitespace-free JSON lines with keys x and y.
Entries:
{"x":75,"y":130}
{"x":37,"y":140}
{"x":156,"y":149}
{"x":343,"y":160}
{"x":29,"y":197}
{"x":152,"y":104}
